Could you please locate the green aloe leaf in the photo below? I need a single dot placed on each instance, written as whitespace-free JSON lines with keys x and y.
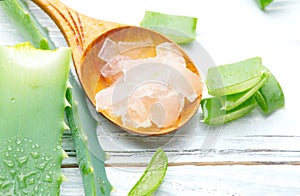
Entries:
{"x":270,"y":96}
{"x":262,"y":4}
{"x":33,"y":84}
{"x":181,"y":29}
{"x":230,"y":102}
{"x":89,"y":153}
{"x":213,"y":113}
{"x":27,"y":25}
{"x":234,"y":78}
{"x":152,"y":176}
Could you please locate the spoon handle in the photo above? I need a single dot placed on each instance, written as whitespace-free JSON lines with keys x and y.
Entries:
{"x":79,"y":30}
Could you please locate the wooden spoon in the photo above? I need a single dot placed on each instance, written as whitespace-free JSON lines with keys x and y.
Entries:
{"x":86,"y":35}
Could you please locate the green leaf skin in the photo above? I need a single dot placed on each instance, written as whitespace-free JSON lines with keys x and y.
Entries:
{"x":262,"y":4}
{"x":33,"y":84}
{"x":90,"y":155}
{"x":152,"y":176}
{"x":83,"y":126}
{"x":234,"y":78}
{"x":270,"y":96}
{"x":19,"y":13}
{"x":230,"y":102}
{"x":213,"y":113}
{"x":180,"y":29}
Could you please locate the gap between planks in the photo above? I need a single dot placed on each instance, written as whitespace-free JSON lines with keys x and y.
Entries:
{"x":224,"y":163}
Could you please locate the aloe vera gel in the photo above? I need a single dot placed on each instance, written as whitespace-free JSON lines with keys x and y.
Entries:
{"x":33,"y":84}
{"x":238,"y":88}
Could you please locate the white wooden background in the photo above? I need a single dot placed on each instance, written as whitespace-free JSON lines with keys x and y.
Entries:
{"x":255,"y":155}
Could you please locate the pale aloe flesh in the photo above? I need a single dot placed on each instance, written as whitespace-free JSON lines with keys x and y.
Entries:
{"x":33,"y":84}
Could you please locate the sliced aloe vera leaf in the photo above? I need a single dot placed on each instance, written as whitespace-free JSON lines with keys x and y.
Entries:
{"x":262,"y":4}
{"x":33,"y":84}
{"x":213,"y":113}
{"x":90,"y":155}
{"x":83,"y":126}
{"x":180,"y":29}
{"x":230,"y":102}
{"x":234,"y":78}
{"x":28,"y":26}
{"x":153,"y":175}
{"x":270,"y":96}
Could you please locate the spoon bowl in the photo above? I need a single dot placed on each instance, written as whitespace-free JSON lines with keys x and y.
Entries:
{"x":88,"y":37}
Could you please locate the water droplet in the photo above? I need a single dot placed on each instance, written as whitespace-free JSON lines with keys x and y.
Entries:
{"x":31,"y":181}
{"x":36,"y":188}
{"x":22,"y":160}
{"x":13,"y":100}
{"x":12,"y":172}
{"x":48,"y":178}
{"x":48,"y":158}
{"x":9,"y":148}
{"x":25,"y":191}
{"x":9,"y":163}
{"x":18,"y":141}
{"x":35,"y":155}
{"x":41,"y":166}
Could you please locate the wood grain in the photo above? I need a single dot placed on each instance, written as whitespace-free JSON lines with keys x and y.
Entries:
{"x":257,"y":155}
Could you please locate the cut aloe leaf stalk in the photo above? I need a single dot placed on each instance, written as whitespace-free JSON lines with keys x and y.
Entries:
{"x":17,"y":10}
{"x":230,"y":102}
{"x":33,"y":84}
{"x":234,"y":78}
{"x":181,"y":29}
{"x":270,"y":96}
{"x":213,"y":113}
{"x":262,"y":4}
{"x":235,"y":91}
{"x":153,"y":175}
{"x":89,"y":153}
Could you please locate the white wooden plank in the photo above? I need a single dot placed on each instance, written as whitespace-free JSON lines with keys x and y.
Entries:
{"x":202,"y":180}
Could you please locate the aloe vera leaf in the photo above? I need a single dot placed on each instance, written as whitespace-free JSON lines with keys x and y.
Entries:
{"x":181,"y":29}
{"x":153,"y":175}
{"x":270,"y":96}
{"x":230,"y":102}
{"x":90,"y":155}
{"x":33,"y":84}
{"x":27,"y":25}
{"x":91,"y":164}
{"x":234,"y":78}
{"x":213,"y":113}
{"x":262,"y":4}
